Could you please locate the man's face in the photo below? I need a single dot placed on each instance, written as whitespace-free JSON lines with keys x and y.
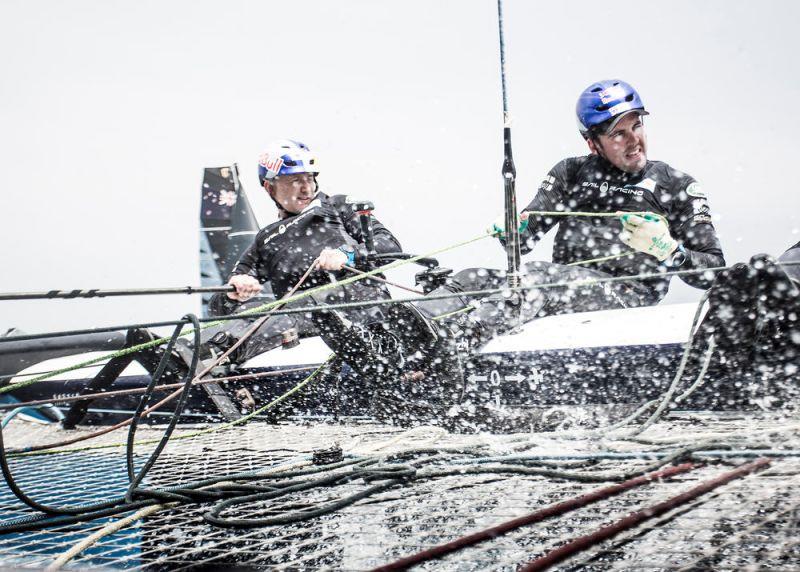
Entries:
{"x":625,"y":146}
{"x":292,"y":192}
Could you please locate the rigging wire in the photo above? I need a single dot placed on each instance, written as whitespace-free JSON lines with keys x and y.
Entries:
{"x":206,"y":370}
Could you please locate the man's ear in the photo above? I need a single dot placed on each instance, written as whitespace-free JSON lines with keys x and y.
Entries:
{"x":268,"y":187}
{"x":592,"y":146}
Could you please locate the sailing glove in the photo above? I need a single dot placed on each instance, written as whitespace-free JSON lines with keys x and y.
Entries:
{"x":498,"y":227}
{"x":648,"y":233}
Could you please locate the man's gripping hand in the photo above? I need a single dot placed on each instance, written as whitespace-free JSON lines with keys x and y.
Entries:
{"x":498,"y":227}
{"x":246,"y":287}
{"x":332,"y":259}
{"x":648,"y":233}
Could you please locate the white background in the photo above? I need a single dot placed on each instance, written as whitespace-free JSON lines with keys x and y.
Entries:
{"x":111,"y":110}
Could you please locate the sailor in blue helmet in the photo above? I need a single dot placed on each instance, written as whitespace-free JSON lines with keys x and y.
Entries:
{"x":651,"y":218}
{"x":676,"y":233}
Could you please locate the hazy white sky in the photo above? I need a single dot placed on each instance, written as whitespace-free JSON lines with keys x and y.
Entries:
{"x":111,"y":110}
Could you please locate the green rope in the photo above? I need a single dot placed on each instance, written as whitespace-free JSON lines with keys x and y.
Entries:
{"x":595,"y":215}
{"x":602,"y":259}
{"x":264,"y":307}
{"x":324,"y":288}
{"x":93,"y":361}
{"x":467,"y":308}
{"x":214,"y":429}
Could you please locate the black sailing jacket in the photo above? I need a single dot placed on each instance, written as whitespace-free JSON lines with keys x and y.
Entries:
{"x":592,"y":184}
{"x":283,"y":250}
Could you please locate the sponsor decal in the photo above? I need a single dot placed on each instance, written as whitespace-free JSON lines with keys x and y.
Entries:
{"x":612,"y":93}
{"x":547,"y":183}
{"x":620,"y":107}
{"x":647,"y":184}
{"x":695,"y":190}
{"x":271,"y":164}
{"x":605,"y":187}
{"x":700,"y":206}
{"x":284,"y":227}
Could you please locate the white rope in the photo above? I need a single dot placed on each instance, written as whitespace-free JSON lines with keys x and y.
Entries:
{"x":436,"y":434}
{"x":118,"y":525}
{"x":108,"y":529}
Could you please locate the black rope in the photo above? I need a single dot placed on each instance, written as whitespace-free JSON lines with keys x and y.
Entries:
{"x":370,"y":303}
{"x":92,"y":507}
{"x":97,"y":293}
{"x":276,"y":485}
{"x":364,"y":304}
{"x":136,"y":479}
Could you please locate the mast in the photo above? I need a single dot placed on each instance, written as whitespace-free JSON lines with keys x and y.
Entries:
{"x":509,"y":172}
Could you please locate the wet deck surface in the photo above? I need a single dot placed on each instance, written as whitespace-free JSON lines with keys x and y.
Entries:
{"x":749,"y":523}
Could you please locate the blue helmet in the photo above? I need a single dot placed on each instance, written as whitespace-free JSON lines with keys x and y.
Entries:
{"x":286,"y":157}
{"x":606,"y":101}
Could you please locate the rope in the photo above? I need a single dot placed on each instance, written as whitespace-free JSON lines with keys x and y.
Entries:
{"x":49,"y":449}
{"x":454,"y":313}
{"x":206,"y":370}
{"x":393,"y":475}
{"x":384,"y":281}
{"x":107,"y":530}
{"x":97,"y":293}
{"x":486,"y":292}
{"x":118,"y":525}
{"x":476,"y":293}
{"x":269,"y":308}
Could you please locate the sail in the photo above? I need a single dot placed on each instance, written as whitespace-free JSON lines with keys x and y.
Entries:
{"x":227,"y":225}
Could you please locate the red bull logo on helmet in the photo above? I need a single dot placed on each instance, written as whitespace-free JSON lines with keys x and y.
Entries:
{"x":271,"y":164}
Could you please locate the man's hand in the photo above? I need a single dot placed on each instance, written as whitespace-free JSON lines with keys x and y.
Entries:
{"x":246,"y":287}
{"x":331,"y":259}
{"x":648,"y":233}
{"x":498,"y":227}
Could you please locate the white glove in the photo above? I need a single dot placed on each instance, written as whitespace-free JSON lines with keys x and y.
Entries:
{"x":498,"y":227}
{"x":648,"y":233}
{"x":246,"y":287}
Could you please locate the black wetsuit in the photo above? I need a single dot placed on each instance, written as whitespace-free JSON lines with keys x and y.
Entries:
{"x":285,"y":249}
{"x":591,"y":184}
